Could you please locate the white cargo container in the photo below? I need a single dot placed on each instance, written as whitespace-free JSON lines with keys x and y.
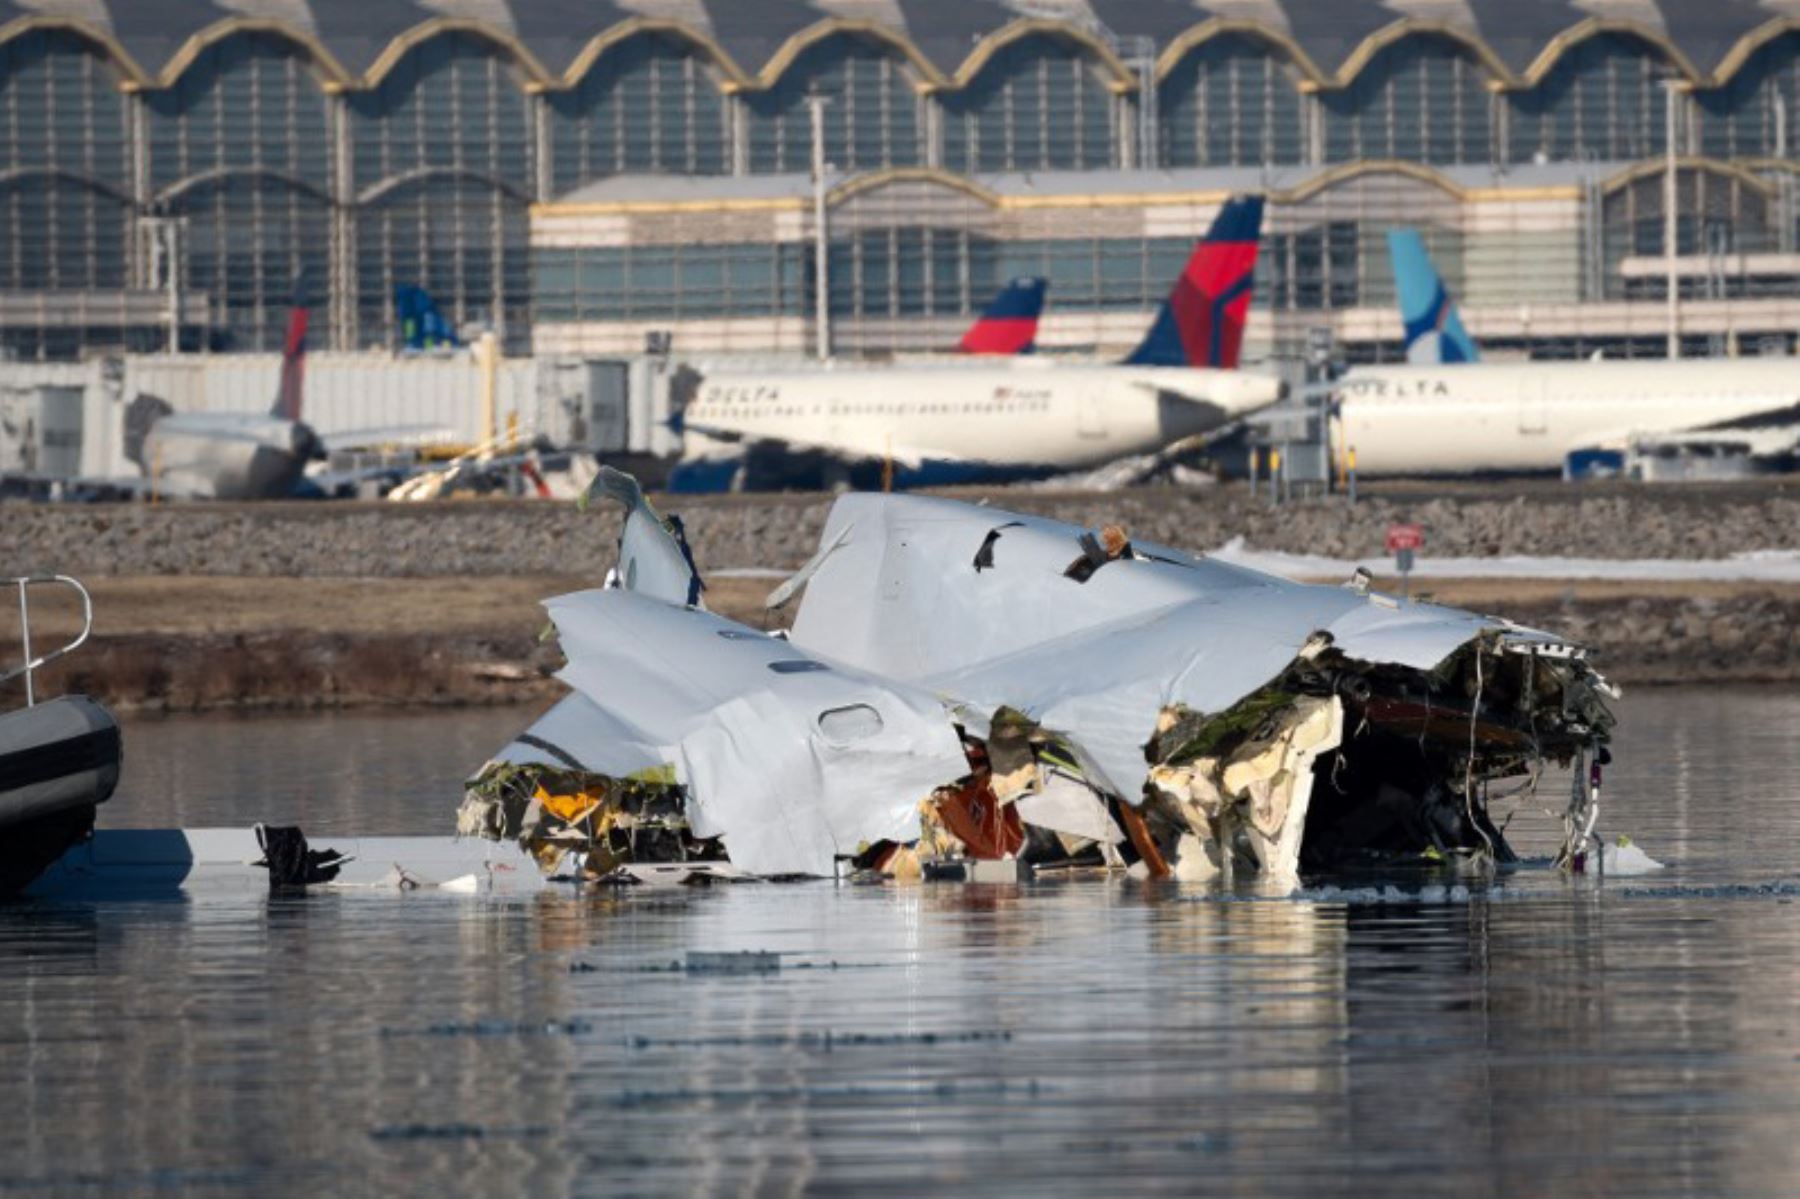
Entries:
{"x":608,"y":405}
{"x":41,"y":430}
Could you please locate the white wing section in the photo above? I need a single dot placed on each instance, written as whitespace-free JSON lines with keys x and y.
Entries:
{"x":793,"y":761}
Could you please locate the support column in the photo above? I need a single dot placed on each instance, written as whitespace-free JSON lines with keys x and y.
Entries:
{"x":1593,"y":240}
{"x":1147,"y":110}
{"x":740,"y":133}
{"x":542,"y":118}
{"x":1499,"y":125}
{"x":137,"y":139}
{"x":343,"y":226}
{"x":1313,"y":117}
{"x":933,"y":111}
{"x":1125,"y":131}
{"x":1786,"y":212}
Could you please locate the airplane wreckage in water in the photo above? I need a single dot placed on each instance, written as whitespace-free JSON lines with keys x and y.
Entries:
{"x":972,"y":693}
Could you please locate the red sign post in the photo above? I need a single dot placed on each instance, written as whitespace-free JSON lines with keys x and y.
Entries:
{"x":1405,"y":537}
{"x":1402,"y":540}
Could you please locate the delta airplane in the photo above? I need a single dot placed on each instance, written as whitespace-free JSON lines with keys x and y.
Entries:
{"x":247,"y":455}
{"x":1025,"y":418}
{"x":1447,"y":412}
{"x":229,"y":455}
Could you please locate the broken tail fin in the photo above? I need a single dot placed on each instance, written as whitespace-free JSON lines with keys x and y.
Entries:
{"x":1010,"y":323}
{"x":654,"y":558}
{"x":289,"y":394}
{"x":1434,"y":331}
{"x":1202,"y":321}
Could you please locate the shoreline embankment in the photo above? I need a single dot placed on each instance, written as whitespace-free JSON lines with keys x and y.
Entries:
{"x":209,"y":607}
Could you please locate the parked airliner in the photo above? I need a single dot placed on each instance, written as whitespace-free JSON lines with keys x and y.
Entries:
{"x":1445,"y":412}
{"x":1019,"y":419}
{"x":243,"y":455}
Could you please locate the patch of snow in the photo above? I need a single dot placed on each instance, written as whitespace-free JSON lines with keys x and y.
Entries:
{"x":1755,"y":566}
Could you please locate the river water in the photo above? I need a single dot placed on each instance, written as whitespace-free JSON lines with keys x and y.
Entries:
{"x":1544,"y":1037}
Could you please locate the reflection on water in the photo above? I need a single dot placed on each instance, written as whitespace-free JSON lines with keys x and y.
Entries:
{"x":354,"y":774}
{"x":1078,"y":1038}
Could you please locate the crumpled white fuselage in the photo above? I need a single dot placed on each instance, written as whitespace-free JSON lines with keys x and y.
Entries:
{"x":798,"y":752}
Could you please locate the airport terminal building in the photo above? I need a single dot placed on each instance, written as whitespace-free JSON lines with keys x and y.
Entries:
{"x":589,"y":177}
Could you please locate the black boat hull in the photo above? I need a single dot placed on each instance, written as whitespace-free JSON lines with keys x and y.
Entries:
{"x":58,"y":762}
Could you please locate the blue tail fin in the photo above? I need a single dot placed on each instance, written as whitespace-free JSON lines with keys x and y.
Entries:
{"x":1010,"y":323}
{"x":1202,"y":321}
{"x":1434,"y":332}
{"x":422,"y":326}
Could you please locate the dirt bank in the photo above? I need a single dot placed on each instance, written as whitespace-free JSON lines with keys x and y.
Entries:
{"x":207,"y":644}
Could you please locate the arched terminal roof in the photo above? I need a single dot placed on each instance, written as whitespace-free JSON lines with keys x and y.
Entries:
{"x":1331,"y":39}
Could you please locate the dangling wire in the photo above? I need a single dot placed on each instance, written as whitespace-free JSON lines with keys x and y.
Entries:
{"x":1573,"y":814}
{"x":1469,"y":766}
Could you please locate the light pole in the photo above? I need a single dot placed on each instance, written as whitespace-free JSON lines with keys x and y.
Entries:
{"x":1672,"y":89}
{"x":815,"y":104}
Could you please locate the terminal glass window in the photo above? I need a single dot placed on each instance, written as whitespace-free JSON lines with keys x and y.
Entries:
{"x":1719,"y":216}
{"x":1092,"y":273}
{"x":252,"y":244}
{"x":453,"y":103}
{"x":1039,"y":103}
{"x":60,"y":234}
{"x":1602,"y":100}
{"x":463,"y":241}
{"x":1756,"y":114}
{"x":670,"y":282}
{"x":1312,"y":268}
{"x":61,"y":108}
{"x":872,"y":111}
{"x":649,"y":105}
{"x":1232,"y":101}
{"x":64,"y":171}
{"x":1422,"y":99}
{"x":248,"y":101}
{"x":912,"y":271}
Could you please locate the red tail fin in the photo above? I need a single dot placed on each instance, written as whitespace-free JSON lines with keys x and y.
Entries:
{"x":1010,"y":323}
{"x":293,"y":360}
{"x":1202,"y":321}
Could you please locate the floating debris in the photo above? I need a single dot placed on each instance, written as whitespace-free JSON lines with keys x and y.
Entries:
{"x":1623,"y":859}
{"x":748,"y":961}
{"x":456,"y":1132}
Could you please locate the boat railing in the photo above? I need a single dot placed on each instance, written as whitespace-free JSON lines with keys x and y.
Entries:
{"x":32,"y":664}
